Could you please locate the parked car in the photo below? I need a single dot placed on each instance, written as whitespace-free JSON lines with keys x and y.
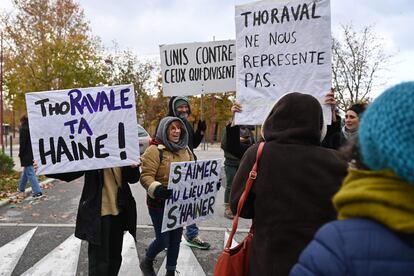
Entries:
{"x":144,"y":139}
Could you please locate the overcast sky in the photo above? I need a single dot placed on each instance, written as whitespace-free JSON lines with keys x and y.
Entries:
{"x":145,"y":24}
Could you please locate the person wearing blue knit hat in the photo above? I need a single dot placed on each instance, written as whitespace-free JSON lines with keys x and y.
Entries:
{"x":374,"y":233}
{"x":387,"y":132}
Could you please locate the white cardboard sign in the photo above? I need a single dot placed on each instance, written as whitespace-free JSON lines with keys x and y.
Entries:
{"x":198,"y":68}
{"x":282,"y":47}
{"x":194,"y":186}
{"x":83,"y":128}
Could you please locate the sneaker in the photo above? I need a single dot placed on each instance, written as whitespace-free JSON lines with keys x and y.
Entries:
{"x":37,"y":195}
{"x":197,"y":242}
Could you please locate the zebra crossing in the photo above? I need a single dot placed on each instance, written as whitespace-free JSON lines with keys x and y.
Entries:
{"x":65,"y":258}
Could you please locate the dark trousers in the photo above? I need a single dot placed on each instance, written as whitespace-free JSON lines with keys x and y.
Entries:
{"x":170,"y":240}
{"x":105,"y":259}
{"x":230,"y":173}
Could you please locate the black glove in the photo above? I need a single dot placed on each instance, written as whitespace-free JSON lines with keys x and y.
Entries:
{"x":218,"y":185}
{"x":201,"y":125}
{"x":162,"y":192}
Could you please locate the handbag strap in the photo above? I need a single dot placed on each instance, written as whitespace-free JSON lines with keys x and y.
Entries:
{"x":242,"y":200}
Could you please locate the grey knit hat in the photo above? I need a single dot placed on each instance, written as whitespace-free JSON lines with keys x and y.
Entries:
{"x":178,"y":101}
{"x":162,"y":135}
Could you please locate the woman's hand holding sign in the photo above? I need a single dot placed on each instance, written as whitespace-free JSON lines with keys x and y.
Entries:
{"x":162,"y":192}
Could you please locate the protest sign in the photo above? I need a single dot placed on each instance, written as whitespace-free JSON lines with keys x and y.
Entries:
{"x":282,"y":47}
{"x":198,"y":68}
{"x":84,"y":128}
{"x":194,"y":186}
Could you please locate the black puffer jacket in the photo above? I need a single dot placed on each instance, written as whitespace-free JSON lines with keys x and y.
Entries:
{"x":88,"y":221}
{"x":25,"y":149}
{"x":291,"y":196}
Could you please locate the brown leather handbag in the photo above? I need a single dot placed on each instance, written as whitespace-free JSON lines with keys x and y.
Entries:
{"x":235,"y":261}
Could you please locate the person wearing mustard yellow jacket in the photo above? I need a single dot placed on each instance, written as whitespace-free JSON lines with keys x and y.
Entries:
{"x":172,"y":139}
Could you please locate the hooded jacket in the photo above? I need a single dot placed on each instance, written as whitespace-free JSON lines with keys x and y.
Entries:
{"x":291,"y":196}
{"x":154,"y":171}
{"x":194,"y":138}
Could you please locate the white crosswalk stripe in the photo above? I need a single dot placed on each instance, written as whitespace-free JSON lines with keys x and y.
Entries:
{"x":130,"y":261}
{"x":226,"y":237}
{"x":63,"y":260}
{"x":187,"y":263}
{"x":11,"y":252}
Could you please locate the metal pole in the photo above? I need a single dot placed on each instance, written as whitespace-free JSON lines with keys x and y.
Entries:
{"x":1,"y":92}
{"x":202,"y":115}
{"x":202,"y":107}
{"x":14,"y":121}
{"x":11,"y":146}
{"x":213,"y":118}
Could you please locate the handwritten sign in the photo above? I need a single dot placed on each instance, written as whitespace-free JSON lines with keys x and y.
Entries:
{"x":281,"y":47}
{"x":194,"y":186}
{"x":83,"y":128}
{"x":198,"y":68}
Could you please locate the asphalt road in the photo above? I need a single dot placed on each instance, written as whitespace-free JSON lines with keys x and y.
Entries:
{"x":51,"y":245}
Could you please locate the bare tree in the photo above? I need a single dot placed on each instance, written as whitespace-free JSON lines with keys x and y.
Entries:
{"x":358,"y":57}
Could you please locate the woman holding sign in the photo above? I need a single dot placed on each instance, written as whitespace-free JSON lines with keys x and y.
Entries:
{"x":172,"y":139}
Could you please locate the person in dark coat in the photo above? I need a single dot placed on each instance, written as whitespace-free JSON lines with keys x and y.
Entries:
{"x":106,"y":209}
{"x":26,"y":160}
{"x":180,"y":107}
{"x":339,"y":135}
{"x":235,"y":141}
{"x":374,"y":233}
{"x":233,"y":144}
{"x":296,"y":179}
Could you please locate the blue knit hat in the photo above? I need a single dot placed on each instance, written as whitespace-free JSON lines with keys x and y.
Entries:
{"x":386,"y":132}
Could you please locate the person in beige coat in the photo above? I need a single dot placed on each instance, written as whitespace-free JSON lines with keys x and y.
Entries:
{"x":172,"y":146}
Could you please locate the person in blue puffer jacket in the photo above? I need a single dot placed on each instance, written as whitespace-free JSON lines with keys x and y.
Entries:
{"x":374,"y":233}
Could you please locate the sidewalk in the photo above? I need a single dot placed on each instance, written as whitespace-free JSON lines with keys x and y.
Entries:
{"x":17,"y":167}
{"x":27,"y":192}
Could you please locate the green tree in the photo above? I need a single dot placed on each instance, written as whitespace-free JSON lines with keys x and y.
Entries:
{"x":49,"y":46}
{"x":358,"y":58}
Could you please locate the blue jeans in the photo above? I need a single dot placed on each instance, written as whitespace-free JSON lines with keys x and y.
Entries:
{"x":170,"y":240}
{"x":29,"y":174}
{"x":191,"y":231}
